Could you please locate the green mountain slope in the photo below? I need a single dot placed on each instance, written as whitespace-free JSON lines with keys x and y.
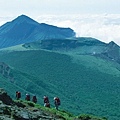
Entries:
{"x":81,"y":46}
{"x":85,"y":84}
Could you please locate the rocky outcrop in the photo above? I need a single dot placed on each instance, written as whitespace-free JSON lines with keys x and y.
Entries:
{"x":5,"y":71}
{"x":5,"y":98}
{"x":19,"y":110}
{"x":10,"y":110}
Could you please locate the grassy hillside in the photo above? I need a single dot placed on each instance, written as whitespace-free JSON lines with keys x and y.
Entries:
{"x":58,"y":114}
{"x":85,"y":84}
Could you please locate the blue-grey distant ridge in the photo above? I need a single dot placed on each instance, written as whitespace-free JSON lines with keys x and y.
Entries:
{"x":24,"y":29}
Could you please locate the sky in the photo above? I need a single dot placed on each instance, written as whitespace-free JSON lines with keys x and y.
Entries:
{"x":88,"y":18}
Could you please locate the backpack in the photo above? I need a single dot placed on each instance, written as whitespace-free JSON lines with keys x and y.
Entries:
{"x":19,"y":95}
{"x":46,"y":100}
{"x":58,"y":101}
{"x":34,"y":99}
{"x":47,"y":105}
{"x":28,"y":97}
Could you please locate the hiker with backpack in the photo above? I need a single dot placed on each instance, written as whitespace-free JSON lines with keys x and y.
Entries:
{"x":18,"y":95}
{"x":34,"y":99}
{"x":27,"y":97}
{"x":56,"y":102}
{"x":46,"y":102}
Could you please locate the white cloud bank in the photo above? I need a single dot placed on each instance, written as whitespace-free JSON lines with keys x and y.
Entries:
{"x":105,"y":27}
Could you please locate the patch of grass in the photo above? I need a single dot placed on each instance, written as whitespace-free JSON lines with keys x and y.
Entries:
{"x":61,"y":114}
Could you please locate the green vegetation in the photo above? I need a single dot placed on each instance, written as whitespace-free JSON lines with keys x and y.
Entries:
{"x":60,"y":113}
{"x":83,"y":84}
{"x":89,"y":117}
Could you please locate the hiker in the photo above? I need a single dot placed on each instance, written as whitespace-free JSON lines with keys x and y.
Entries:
{"x":34,"y":99}
{"x":18,"y":95}
{"x":56,"y":102}
{"x":46,"y":102}
{"x":27,"y":97}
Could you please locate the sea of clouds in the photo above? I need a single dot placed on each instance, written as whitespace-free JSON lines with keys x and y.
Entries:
{"x":105,"y":27}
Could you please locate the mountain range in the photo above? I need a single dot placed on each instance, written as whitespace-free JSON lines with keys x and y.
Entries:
{"x":24,"y":29}
{"x":84,"y":72}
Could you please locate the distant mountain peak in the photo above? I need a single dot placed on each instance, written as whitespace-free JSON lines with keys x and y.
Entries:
{"x":24,"y":18}
{"x":112,"y":44}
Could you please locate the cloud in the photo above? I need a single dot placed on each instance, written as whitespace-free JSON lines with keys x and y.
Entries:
{"x":105,"y":27}
{"x":3,"y":20}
